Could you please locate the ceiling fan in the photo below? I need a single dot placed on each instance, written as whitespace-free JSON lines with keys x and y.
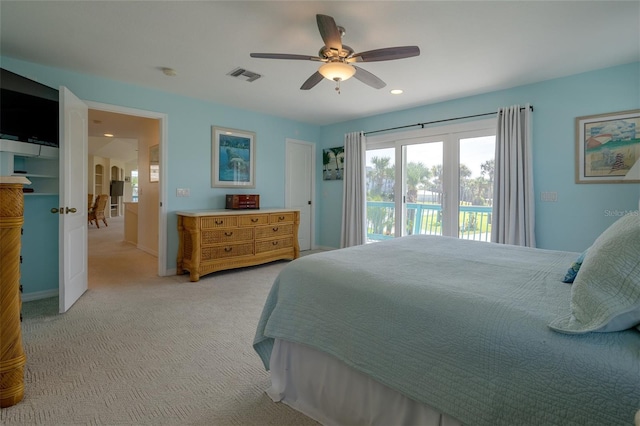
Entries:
{"x":338,"y":58}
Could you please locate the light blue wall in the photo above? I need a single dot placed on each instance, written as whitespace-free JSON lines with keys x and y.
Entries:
{"x":39,"y":250}
{"x":582,"y":211}
{"x":189,"y":141}
{"x":570,"y":224}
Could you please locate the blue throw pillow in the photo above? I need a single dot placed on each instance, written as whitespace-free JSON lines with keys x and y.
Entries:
{"x":574,"y":268}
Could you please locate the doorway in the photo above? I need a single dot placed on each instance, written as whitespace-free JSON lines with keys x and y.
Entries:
{"x":300,"y":187}
{"x":123,"y":139}
{"x":431,"y":181}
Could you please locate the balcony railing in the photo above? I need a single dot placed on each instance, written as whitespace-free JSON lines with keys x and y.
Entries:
{"x":474,"y":222}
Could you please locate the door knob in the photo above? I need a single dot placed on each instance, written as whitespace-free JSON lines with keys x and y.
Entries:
{"x":70,"y":210}
{"x":55,"y":210}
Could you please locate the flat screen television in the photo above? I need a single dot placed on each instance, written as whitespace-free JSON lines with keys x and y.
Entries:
{"x":117,"y":188}
{"x":28,"y":110}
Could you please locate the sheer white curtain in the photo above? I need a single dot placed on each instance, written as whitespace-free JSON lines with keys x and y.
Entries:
{"x":354,"y":196}
{"x":513,"y":200}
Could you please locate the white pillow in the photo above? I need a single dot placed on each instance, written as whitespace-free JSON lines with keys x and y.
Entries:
{"x":605,"y":295}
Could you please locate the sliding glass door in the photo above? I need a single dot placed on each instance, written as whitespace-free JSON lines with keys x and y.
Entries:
{"x":381,"y":183}
{"x":432,"y":181}
{"x":475,"y":204}
{"x":423,"y":183}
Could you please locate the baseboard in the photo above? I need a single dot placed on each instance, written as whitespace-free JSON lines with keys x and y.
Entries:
{"x":37,"y":295}
{"x":147,"y":250}
{"x":169,"y":272}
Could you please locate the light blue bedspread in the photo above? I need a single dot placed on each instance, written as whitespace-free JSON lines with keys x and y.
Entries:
{"x":459,"y":325}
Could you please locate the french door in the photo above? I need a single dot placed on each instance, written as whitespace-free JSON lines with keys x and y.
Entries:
{"x":435,"y":181}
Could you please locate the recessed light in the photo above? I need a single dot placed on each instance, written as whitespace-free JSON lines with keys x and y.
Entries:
{"x":396,"y":91}
{"x":109,"y":135}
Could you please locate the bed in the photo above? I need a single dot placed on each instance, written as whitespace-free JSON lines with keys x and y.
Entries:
{"x":437,"y":330}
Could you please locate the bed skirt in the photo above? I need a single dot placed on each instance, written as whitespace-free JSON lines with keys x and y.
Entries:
{"x":332,"y":393}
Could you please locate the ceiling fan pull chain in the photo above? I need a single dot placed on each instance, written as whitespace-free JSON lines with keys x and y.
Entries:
{"x":338,"y":85}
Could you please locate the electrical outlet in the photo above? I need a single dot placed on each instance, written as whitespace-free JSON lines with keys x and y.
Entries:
{"x":549,"y":196}
{"x":182,"y":192}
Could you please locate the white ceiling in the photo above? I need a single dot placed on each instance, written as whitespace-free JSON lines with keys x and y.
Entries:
{"x":467,"y":48}
{"x":127,"y":130}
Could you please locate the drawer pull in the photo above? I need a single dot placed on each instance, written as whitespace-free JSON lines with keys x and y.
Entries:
{"x":254,"y":219}
{"x":228,"y":249}
{"x":219,"y":222}
{"x":228,"y":234}
{"x":275,"y":243}
{"x":275,"y":229}
{"x":280,"y":217}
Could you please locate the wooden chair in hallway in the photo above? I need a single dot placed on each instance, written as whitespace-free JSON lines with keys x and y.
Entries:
{"x":90,"y":202}
{"x":97,"y":212}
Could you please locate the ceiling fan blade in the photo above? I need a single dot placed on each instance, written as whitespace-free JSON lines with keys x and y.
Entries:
{"x":369,"y":79}
{"x":385,"y":54}
{"x":329,"y":32}
{"x":285,"y":56}
{"x":312,"y":81}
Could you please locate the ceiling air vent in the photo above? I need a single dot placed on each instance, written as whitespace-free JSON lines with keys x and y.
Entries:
{"x":245,"y":74}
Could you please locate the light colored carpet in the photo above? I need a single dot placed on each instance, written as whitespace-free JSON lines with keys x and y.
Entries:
{"x":138,"y":349}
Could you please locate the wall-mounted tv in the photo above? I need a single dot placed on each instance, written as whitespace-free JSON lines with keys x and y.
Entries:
{"x":116,"y":188}
{"x":28,"y":110}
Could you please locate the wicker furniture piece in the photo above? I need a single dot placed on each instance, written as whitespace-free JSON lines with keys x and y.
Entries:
{"x":12,"y":357}
{"x":97,"y":212}
{"x":216,"y":240}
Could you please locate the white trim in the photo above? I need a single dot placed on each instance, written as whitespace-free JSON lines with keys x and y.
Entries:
{"x":164,"y":149}
{"x":388,"y":139}
{"x":37,"y":295}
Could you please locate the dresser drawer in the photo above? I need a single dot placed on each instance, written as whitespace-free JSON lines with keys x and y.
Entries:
{"x":227,"y":235}
{"x":219,"y":222}
{"x":277,"y":244}
{"x":253,"y":219}
{"x":227,"y":250}
{"x":286,"y":217}
{"x":273,"y":231}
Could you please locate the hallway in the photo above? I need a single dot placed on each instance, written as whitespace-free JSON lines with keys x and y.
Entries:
{"x":112,"y":262}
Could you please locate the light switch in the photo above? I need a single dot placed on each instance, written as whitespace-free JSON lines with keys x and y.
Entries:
{"x":549,"y":196}
{"x":182,"y":192}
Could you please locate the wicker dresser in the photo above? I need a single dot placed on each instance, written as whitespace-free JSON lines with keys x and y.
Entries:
{"x":12,"y":358}
{"x":216,"y":240}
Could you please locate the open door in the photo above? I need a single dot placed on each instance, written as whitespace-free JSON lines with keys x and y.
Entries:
{"x":73,"y":199}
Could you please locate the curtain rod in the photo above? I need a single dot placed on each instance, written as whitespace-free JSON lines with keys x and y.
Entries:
{"x":437,"y":121}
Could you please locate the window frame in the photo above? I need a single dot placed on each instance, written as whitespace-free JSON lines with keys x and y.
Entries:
{"x":450,"y":135}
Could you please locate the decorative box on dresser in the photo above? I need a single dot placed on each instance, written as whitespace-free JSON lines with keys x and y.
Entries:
{"x":215,"y":240}
{"x":12,"y":357}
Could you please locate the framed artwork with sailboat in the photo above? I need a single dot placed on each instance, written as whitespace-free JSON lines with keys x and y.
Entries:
{"x":233,"y":158}
{"x":608,"y":148}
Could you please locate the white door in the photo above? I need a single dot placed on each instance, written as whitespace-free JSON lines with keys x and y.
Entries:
{"x":73,"y":199}
{"x":300,"y":172}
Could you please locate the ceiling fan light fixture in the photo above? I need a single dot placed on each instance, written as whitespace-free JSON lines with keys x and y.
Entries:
{"x":337,"y":71}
